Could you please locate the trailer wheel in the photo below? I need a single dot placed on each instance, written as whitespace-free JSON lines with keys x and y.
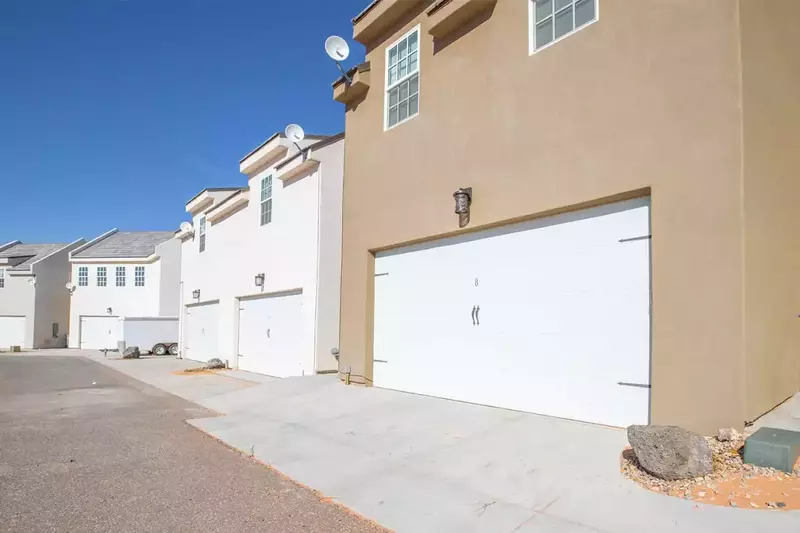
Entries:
{"x":173,"y":349}
{"x":160,"y":349}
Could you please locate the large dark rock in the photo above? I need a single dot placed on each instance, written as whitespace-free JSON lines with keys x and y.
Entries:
{"x":670,"y":452}
{"x":215,"y":364}
{"x":131,"y":352}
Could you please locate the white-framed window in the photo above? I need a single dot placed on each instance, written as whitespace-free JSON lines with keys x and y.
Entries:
{"x":120,"y":276}
{"x":202,"y":233}
{"x":2,"y":278}
{"x":266,"y":200}
{"x":102,"y":278}
{"x":83,"y":276}
{"x":402,"y":79}
{"x":552,"y":20}
{"x":138,"y":276}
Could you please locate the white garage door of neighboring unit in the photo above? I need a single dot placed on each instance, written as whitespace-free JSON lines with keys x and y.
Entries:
{"x":202,"y":324}
{"x":270,"y":335}
{"x":550,"y":316}
{"x":100,"y":332}
{"x":12,"y":331}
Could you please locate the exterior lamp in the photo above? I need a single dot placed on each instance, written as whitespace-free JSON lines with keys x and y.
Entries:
{"x":109,"y":310}
{"x":463,"y":199}
{"x":259,"y":280}
{"x":196,"y":294}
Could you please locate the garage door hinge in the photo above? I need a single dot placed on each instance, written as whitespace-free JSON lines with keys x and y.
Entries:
{"x":640,"y":385}
{"x":642,"y":238}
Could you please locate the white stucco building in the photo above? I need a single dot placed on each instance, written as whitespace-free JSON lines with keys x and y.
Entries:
{"x":261,"y":266}
{"x":123,"y":280}
{"x":34,"y":301}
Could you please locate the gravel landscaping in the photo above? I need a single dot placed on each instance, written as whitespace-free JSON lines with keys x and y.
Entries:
{"x":732,"y":482}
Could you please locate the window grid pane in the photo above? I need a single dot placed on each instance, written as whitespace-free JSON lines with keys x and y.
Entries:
{"x":2,"y":278}
{"x":202,"y":234}
{"x":83,"y":276}
{"x":102,"y":279}
{"x":554,"y":19}
{"x":120,"y":277}
{"x":584,"y":12}
{"x":266,"y":201}
{"x":563,"y":22}
{"x":138,"y":276}
{"x":402,"y":80}
{"x":404,"y":109}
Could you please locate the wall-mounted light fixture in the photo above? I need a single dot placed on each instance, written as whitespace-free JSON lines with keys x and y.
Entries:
{"x":109,"y":310}
{"x":463,"y":201}
{"x":196,"y":294}
{"x":259,"y":279}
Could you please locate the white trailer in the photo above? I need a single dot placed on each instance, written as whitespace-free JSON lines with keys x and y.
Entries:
{"x":152,"y":334}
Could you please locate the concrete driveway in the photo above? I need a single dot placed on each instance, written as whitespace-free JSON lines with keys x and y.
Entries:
{"x":85,"y":449}
{"x":421,"y":464}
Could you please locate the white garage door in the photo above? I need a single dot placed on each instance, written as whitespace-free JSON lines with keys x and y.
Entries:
{"x":270,"y":335}
{"x":100,"y":332}
{"x":550,"y":316}
{"x":202,"y":324}
{"x":12,"y":332}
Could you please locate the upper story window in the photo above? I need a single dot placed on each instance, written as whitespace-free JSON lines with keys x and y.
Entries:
{"x":266,"y":200}
{"x":138,"y":276}
{"x":402,"y":79}
{"x":120,"y":276}
{"x":83,"y":276}
{"x":2,"y":278}
{"x":552,"y":20}
{"x":202,"y":233}
{"x":102,"y":278}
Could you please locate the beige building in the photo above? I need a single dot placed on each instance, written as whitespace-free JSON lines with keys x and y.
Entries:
{"x":633,"y":224}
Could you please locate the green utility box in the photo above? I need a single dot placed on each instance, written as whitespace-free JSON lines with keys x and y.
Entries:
{"x":772,"y":447}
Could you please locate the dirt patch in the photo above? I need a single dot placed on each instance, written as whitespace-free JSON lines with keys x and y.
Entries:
{"x":731,"y":484}
{"x":195,"y":371}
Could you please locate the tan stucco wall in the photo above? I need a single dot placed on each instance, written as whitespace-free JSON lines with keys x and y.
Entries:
{"x":771,"y":103}
{"x":646,"y":98}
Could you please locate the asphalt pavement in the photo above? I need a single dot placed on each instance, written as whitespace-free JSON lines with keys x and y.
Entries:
{"x":84,"y":448}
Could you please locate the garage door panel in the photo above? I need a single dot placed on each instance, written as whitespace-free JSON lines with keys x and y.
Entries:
{"x":100,"y":332}
{"x":564,"y":316}
{"x":12,"y":331}
{"x":271,"y":336}
{"x":202,"y":325}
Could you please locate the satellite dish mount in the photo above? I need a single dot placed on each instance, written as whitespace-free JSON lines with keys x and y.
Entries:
{"x":296,"y":134}
{"x":338,"y":50}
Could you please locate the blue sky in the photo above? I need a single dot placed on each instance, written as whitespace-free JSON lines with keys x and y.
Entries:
{"x":113,"y":113}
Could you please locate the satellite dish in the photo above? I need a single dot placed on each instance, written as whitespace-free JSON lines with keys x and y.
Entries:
{"x":70,"y":286}
{"x":186,"y":227}
{"x":32,"y":281}
{"x":337,"y":48}
{"x":295,"y":133}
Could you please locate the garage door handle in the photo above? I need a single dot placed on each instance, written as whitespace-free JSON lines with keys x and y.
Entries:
{"x":640,"y":385}
{"x":473,"y":315}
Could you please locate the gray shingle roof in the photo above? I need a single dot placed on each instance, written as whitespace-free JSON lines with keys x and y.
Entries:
{"x":33,"y":252}
{"x":126,"y":244}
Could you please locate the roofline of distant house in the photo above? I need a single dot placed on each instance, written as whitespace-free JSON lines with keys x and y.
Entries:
{"x":273,"y":137}
{"x":8,"y":245}
{"x":94,"y":241}
{"x":211,"y":189}
{"x":316,"y":146}
{"x":366,"y":10}
{"x":29,"y":267}
{"x":241,"y":191}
